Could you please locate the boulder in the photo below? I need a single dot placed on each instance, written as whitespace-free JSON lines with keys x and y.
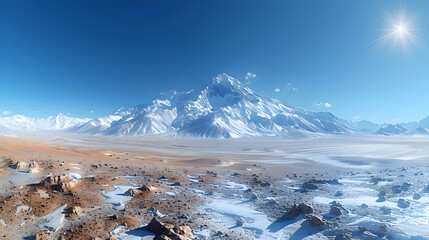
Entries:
{"x":316,"y":221}
{"x":169,"y":230}
{"x":254,"y":196}
{"x":402,"y":203}
{"x":335,"y":210}
{"x":146,"y":188}
{"x":133,"y":192}
{"x":306,"y":208}
{"x":417,"y":196}
{"x":309,"y":185}
{"x":295,"y":211}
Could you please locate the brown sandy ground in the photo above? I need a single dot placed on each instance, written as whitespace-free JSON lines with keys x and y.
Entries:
{"x":100,"y":170}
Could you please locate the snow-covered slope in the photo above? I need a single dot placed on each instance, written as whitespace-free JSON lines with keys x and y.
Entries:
{"x":225,"y":108}
{"x":24,"y":123}
{"x":390,"y":129}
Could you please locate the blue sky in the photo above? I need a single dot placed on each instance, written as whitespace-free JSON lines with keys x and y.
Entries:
{"x":87,"y":58}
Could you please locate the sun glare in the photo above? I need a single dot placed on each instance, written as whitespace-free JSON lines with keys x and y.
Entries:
{"x":399,"y":33}
{"x":400,"y":29}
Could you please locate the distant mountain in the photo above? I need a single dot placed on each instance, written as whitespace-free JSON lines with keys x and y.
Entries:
{"x":24,"y":123}
{"x":4,"y":130}
{"x":224,"y":108}
{"x":423,"y":132}
{"x":390,"y":129}
{"x":368,"y":126}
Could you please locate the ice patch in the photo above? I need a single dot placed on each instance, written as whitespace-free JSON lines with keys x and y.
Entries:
{"x":172,"y":194}
{"x":54,"y":220}
{"x":234,"y":185}
{"x":226,"y":212}
{"x":118,"y":196}
{"x":121,"y":233}
{"x":76,"y":176}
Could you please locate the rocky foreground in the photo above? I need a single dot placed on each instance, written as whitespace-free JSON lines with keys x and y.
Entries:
{"x":52,"y":192}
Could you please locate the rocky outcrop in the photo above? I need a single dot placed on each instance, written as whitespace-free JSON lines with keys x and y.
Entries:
{"x":59,"y":183}
{"x":137,"y":191}
{"x":303,"y":208}
{"x":169,"y":230}
{"x":24,"y":166}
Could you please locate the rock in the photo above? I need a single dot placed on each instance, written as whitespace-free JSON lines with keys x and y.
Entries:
{"x":132,"y":192}
{"x":176,"y":184}
{"x":259,"y":182}
{"x":405,"y":186}
{"x":383,"y":228}
{"x":396,"y":189}
{"x":59,"y":183}
{"x":23,"y":209}
{"x":75,"y":210}
{"x":362,"y":228}
{"x":402,"y":203}
{"x":295,"y":211}
{"x":306,"y":208}
{"x":329,"y":181}
{"x":344,"y":236}
{"x":146,"y":188}
{"x":385,"y":210}
{"x":162,"y":237}
{"x":309,"y":185}
{"x":316,"y":221}
{"x":42,"y":234}
{"x":381,"y":199}
{"x":336,"y":211}
{"x":417,"y":196}
{"x":25,"y":166}
{"x":240,"y":222}
{"x":254,"y":196}
{"x":3,"y":224}
{"x":169,"y":230}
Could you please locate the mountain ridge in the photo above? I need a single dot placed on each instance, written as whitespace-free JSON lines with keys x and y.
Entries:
{"x":224,"y":108}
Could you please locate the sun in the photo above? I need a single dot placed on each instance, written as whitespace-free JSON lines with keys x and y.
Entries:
{"x":399,"y":33}
{"x":400,"y":29}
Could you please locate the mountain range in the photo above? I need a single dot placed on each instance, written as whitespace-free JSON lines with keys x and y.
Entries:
{"x":19,"y":123}
{"x":223,"y":108}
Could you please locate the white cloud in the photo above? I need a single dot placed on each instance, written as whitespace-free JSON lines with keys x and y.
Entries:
{"x":291,"y":87}
{"x":277,"y":90}
{"x":250,"y":75}
{"x":6,"y":112}
{"x":92,"y":111}
{"x":323,"y":104}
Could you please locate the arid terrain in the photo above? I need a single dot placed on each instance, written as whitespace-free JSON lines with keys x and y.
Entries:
{"x":89,"y":187}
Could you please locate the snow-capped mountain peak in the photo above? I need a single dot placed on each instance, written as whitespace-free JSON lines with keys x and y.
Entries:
{"x":224,"y":108}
